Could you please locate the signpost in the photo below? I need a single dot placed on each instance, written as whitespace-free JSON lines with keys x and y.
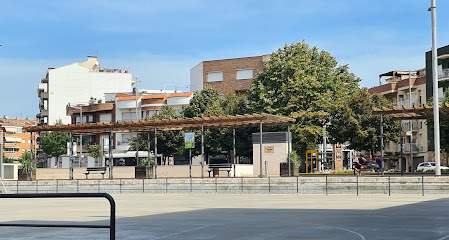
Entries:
{"x":189,"y":139}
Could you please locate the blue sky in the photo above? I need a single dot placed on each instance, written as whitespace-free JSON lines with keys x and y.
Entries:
{"x":161,"y":40}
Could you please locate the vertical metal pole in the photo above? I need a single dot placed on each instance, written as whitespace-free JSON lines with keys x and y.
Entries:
{"x":37,"y":186}
{"x":269,"y":185}
{"x":120,"y":186}
{"x":357,"y":179}
{"x":242,"y":185}
{"x":326,"y":184}
{"x":261,"y":149}
{"x":216,"y":185}
{"x":411,"y":121}
{"x":77,"y":186}
{"x":389,"y":186}
{"x":324,"y":148}
{"x":297,"y":185}
{"x":143,"y":184}
{"x":111,"y":158}
{"x":57,"y":186}
{"x":149,"y":156}
{"x":233,"y":146}
{"x":17,"y":186}
{"x":422,"y":182}
{"x":71,"y":155}
{"x":190,"y":162}
{"x":401,"y":152}
{"x":436,"y":113}
{"x":202,"y":150}
{"x":382,"y":140}
{"x":2,"y":171}
{"x":31,"y":156}
{"x":155,"y":152}
{"x":166,"y":185}
{"x":98,"y":185}
{"x":81,"y":138}
{"x":190,"y":185}
{"x":288,"y":151}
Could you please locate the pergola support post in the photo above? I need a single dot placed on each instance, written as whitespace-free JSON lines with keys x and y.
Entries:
{"x":382,"y":141}
{"x":31,"y":155}
{"x":111,"y":158}
{"x":70,"y":155}
{"x":149,"y":152}
{"x":202,"y":149}
{"x":288,"y":150}
{"x":261,"y":149}
{"x":155,"y":152}
{"x":233,"y":149}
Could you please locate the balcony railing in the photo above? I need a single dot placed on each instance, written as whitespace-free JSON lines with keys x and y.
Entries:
{"x":406,"y":125}
{"x":444,"y":73}
{"x":406,"y":103}
{"x":406,"y":147}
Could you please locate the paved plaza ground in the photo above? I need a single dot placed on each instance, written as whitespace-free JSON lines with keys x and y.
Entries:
{"x":144,"y":216}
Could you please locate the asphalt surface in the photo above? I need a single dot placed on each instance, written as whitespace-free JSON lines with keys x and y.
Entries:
{"x":144,"y":216}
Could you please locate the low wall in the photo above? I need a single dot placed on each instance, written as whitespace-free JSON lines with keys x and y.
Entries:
{"x":270,"y":185}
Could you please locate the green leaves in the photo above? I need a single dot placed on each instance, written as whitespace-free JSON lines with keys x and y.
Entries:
{"x":54,"y":143}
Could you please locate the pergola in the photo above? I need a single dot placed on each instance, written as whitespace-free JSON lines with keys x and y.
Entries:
{"x":415,"y":113}
{"x":197,"y":123}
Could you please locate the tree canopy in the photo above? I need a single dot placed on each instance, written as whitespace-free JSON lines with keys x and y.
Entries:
{"x":304,"y":83}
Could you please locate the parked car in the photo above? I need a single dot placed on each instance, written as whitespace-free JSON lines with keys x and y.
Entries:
{"x":429,"y":166}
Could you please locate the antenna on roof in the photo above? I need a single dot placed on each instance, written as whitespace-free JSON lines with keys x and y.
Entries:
{"x":96,"y":53}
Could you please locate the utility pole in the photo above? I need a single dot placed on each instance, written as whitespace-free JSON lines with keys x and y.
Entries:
{"x":436,"y":113}
{"x":138,"y":119}
{"x":411,"y":121}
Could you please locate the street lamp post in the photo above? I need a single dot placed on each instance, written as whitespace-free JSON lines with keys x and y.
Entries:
{"x":436,"y":113}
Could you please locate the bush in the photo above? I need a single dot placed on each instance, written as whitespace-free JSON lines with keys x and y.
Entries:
{"x":144,"y":162}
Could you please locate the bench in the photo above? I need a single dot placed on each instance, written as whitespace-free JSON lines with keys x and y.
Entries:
{"x":101,"y":170}
{"x":368,"y":167}
{"x":221,"y":167}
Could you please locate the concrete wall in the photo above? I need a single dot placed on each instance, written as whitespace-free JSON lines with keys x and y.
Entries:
{"x":275,"y":151}
{"x":78,"y":173}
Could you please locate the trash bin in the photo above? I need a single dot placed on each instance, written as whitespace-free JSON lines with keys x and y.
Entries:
{"x":216,"y":171}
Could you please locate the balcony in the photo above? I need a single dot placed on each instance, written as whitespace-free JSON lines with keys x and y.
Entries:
{"x":443,"y":75}
{"x":406,"y":103}
{"x":43,"y":95}
{"x":406,"y":147}
{"x":44,"y":113}
{"x":406,"y":126}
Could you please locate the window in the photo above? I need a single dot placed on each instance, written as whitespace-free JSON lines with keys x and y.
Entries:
{"x":126,"y":137}
{"x":215,"y":76}
{"x":29,"y":140}
{"x":91,"y":118}
{"x":78,"y":119}
{"x":23,"y":140}
{"x":244,"y":74}
{"x":129,"y":116}
{"x":106,"y":117}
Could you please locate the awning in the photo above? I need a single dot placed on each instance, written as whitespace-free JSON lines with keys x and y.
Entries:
{"x":13,"y":139}
{"x":11,"y":129}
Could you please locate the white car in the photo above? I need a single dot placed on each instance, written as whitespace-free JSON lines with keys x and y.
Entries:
{"x":428,"y":166}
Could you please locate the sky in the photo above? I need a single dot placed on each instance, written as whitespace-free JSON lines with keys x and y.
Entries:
{"x":160,"y":41}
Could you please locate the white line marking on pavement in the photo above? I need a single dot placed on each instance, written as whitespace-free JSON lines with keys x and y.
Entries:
{"x":360,"y":235}
{"x":444,"y":237}
{"x":183,"y":232}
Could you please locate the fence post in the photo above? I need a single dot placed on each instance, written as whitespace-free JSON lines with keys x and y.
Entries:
{"x":37,"y":186}
{"x":297,"y":185}
{"x":17,"y":186}
{"x":57,"y":186}
{"x":120,"y":186}
{"x":190,"y":185}
{"x":166,"y":186}
{"x":422,"y":181}
{"x":98,"y":185}
{"x":357,"y":179}
{"x":269,"y":185}
{"x":77,"y":186}
{"x":242,"y":185}
{"x":216,"y":185}
{"x":326,"y":184}
{"x":389,"y":186}
{"x":143,"y":185}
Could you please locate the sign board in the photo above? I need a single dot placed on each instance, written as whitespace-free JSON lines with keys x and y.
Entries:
{"x":189,"y":139}
{"x":338,"y":157}
{"x":269,"y":149}
{"x":74,"y":149}
{"x":105,"y":144}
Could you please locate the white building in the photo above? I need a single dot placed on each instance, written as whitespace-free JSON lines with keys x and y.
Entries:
{"x":77,"y":82}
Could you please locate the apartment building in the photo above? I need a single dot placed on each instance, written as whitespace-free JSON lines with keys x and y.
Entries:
{"x":227,"y":75}
{"x":77,"y":83}
{"x":122,"y":107}
{"x":16,"y":138}
{"x":400,"y":88}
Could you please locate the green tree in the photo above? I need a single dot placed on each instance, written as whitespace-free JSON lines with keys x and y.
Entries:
{"x":304,"y":83}
{"x":27,"y":164}
{"x":94,"y":151}
{"x":354,"y":122}
{"x":201,"y":101}
{"x":169,"y":142}
{"x":54,"y":144}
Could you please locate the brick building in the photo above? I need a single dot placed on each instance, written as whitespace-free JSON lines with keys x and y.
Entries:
{"x":227,"y":75}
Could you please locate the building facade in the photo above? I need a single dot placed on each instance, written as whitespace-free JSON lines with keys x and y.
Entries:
{"x":397,"y":90}
{"x":75,"y":83}
{"x":227,"y":75}
{"x":16,"y":139}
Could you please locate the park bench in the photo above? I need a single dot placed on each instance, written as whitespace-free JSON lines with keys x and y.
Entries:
{"x":221,"y":167}
{"x":101,"y":170}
